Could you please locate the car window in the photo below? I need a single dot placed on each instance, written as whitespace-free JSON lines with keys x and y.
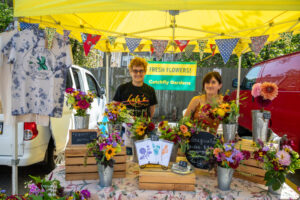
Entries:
{"x":69,"y":80}
{"x":77,"y":79}
{"x":93,"y":86}
{"x":250,"y":78}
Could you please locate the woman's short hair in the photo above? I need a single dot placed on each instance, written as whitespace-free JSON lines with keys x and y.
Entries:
{"x":138,"y":62}
{"x":209,"y":76}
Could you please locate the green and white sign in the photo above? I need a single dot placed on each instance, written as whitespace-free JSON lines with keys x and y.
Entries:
{"x":171,"y":75}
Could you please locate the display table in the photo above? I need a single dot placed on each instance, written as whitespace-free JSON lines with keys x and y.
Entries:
{"x":206,"y":188}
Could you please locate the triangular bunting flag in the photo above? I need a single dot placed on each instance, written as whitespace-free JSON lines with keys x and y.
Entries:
{"x":132,"y":43}
{"x":226,"y":47}
{"x":66,"y":35}
{"x":112,"y":40}
{"x":258,"y":43}
{"x":213,"y":48}
{"x":189,"y":50}
{"x":151,"y":49}
{"x":286,"y":37}
{"x":159,"y":47}
{"x":124,"y":46}
{"x":24,"y":26}
{"x":89,"y":41}
{"x":49,"y":32}
{"x":140,"y":47}
{"x":182,"y":44}
{"x":202,"y":44}
{"x":240,"y":47}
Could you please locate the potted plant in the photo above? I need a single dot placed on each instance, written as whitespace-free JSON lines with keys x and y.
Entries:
{"x":80,"y":101}
{"x":227,"y":158}
{"x":104,"y":148}
{"x":263,"y":94}
{"x":277,"y":162}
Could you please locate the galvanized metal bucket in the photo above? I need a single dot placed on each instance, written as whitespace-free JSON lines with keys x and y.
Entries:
{"x":224,"y":178}
{"x":105,"y":175}
{"x":275,"y":192}
{"x":82,"y":122}
{"x":260,"y":125}
{"x":229,"y":131}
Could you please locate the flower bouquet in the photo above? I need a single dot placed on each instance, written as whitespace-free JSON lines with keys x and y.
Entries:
{"x":211,"y":115}
{"x":104,"y":149}
{"x":79,"y":100}
{"x":277,"y":162}
{"x":117,"y":112}
{"x":141,"y":127}
{"x":264,"y":93}
{"x":227,"y":157}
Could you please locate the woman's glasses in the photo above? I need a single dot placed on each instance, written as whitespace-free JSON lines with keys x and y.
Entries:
{"x":138,"y":71}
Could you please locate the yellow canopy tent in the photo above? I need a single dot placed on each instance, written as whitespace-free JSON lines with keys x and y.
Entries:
{"x":148,"y":19}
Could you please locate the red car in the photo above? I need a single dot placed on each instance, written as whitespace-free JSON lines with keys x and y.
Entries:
{"x":285,"y":108}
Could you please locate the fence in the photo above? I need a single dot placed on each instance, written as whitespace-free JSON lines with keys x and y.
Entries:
{"x":170,"y":103}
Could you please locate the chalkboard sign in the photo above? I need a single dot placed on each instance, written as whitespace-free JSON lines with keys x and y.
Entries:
{"x":197,"y":147}
{"x":82,"y":136}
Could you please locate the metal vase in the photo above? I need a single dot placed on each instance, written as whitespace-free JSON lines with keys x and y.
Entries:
{"x":174,"y":153}
{"x":259,"y":125}
{"x":114,"y":127}
{"x":134,"y":153}
{"x":229,"y":131}
{"x":224,"y":178}
{"x":105,"y":175}
{"x":275,"y":192}
{"x":82,"y":122}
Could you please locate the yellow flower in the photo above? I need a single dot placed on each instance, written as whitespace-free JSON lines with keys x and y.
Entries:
{"x":220,"y":112}
{"x":70,"y":198}
{"x":225,"y":107}
{"x":227,"y":154}
{"x":110,"y":152}
{"x":187,"y":134}
{"x":75,"y":93}
{"x":76,"y":107}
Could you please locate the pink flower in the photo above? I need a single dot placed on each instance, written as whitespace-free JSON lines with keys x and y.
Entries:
{"x":83,"y":104}
{"x":284,"y":158}
{"x":256,"y":90}
{"x":69,"y":90}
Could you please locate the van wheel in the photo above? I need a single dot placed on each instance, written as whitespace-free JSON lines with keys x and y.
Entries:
{"x":49,"y":161}
{"x":244,"y":132}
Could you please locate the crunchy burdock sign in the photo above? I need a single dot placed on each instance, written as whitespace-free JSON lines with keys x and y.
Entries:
{"x":171,"y":75}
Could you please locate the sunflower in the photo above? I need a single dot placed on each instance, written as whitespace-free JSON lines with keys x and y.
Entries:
{"x":140,"y":130}
{"x":269,"y":90}
{"x":110,"y":152}
{"x":225,"y":107}
{"x":220,"y":112}
{"x":187,"y":134}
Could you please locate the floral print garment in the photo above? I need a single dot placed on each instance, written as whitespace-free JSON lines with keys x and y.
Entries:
{"x":39,"y":74}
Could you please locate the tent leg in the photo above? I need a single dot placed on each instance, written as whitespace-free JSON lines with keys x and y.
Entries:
{"x":239,"y":81}
{"x":106,"y":78}
{"x":15,"y":160}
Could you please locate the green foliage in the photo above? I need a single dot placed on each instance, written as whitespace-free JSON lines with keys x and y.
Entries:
{"x":6,"y":16}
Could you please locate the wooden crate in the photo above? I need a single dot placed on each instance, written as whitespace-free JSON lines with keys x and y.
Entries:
{"x":251,"y":169}
{"x":159,"y":179}
{"x":75,"y":169}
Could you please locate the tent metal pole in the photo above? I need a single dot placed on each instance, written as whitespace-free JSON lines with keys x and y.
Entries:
{"x":106,"y":77}
{"x":14,"y":159}
{"x":239,"y":81}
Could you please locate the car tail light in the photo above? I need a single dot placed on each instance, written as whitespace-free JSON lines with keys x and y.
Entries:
{"x":30,"y":130}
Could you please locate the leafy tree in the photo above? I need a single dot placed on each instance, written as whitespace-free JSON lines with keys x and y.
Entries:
{"x":6,"y":16}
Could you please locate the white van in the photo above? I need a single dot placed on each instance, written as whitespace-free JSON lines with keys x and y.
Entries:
{"x":41,"y":143}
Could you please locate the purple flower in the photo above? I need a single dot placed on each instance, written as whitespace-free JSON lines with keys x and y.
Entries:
{"x":230,"y":159}
{"x":114,"y":144}
{"x":101,"y":146}
{"x":239,"y":156}
{"x":82,"y":93}
{"x":86,"y":193}
{"x":227,"y":147}
{"x":265,"y":149}
{"x":3,"y":191}
{"x":260,"y":142}
{"x":77,"y":97}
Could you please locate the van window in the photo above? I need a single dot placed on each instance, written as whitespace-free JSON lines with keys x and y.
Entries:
{"x":69,"y":80}
{"x":77,"y":79}
{"x":250,"y":78}
{"x":93,"y":86}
